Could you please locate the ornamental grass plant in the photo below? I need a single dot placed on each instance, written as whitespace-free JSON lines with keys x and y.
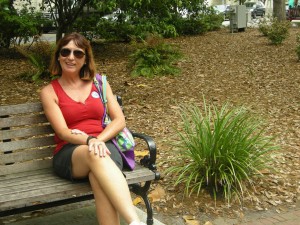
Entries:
{"x":220,"y":150}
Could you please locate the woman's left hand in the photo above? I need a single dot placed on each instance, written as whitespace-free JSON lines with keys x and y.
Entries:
{"x":98,"y":147}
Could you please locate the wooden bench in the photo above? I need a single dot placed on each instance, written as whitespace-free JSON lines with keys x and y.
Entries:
{"x":27,"y":181}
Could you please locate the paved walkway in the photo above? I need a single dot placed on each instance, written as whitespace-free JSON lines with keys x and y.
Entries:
{"x":266,"y":218}
{"x":84,"y":214}
{"x":270,"y":217}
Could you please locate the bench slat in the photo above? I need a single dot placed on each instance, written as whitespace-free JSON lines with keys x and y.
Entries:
{"x":22,"y":120}
{"x":8,"y":183}
{"x":25,"y":132}
{"x":26,"y":166}
{"x":20,"y":108}
{"x":34,"y":184}
{"x":140,"y":174}
{"x":26,"y":155}
{"x":26,"y":144}
{"x":47,"y":195}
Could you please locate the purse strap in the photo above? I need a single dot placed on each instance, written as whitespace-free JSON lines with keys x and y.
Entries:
{"x":103,"y":77}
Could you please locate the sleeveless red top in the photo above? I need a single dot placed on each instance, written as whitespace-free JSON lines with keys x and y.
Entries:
{"x":86,"y":117}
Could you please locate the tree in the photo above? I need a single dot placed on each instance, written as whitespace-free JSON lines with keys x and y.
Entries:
{"x":279,"y":10}
{"x":65,"y":13}
{"x":17,"y":26}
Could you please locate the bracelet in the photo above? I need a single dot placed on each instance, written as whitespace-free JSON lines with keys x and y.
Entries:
{"x":89,"y":138}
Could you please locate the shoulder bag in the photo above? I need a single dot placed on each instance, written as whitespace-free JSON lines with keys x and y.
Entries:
{"x":124,"y":140}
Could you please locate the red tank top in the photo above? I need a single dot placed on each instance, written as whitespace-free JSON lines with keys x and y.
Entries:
{"x":86,"y":117}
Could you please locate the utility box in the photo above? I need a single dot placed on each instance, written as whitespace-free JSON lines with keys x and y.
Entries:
{"x":238,"y":18}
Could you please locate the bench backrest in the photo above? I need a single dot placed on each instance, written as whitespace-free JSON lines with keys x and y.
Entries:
{"x":26,"y":138}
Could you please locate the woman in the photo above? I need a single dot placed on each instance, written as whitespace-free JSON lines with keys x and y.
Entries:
{"x":84,"y":150}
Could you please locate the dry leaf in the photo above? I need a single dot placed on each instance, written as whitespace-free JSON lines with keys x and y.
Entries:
{"x":190,"y":220}
{"x":157,"y":194}
{"x":208,"y":223}
{"x":142,"y":85}
{"x":137,"y":200}
{"x":141,"y":153}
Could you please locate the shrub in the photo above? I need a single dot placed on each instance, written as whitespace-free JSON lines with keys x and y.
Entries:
{"x":154,"y":57}
{"x":219,"y":149}
{"x":298,"y":46}
{"x":17,"y":27}
{"x":39,"y":56}
{"x":197,"y":25}
{"x":264,"y":26}
{"x":278,"y":31}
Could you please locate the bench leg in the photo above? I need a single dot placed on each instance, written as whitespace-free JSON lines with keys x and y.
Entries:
{"x":142,"y":191}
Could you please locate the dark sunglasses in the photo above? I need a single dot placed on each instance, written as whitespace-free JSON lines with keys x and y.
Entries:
{"x":65,"y":52}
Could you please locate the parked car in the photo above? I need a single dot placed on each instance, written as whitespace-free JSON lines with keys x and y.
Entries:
{"x":256,"y":8}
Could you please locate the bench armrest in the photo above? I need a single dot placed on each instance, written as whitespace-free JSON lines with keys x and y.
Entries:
{"x":148,"y":161}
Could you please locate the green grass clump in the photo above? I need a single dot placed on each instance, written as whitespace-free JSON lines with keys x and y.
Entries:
{"x":220,"y":150}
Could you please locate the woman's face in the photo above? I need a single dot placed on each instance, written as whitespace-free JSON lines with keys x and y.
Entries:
{"x":71,"y":58}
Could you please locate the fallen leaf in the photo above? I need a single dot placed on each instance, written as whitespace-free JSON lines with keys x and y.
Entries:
{"x":137,"y":200}
{"x":141,"y":153}
{"x":190,"y":220}
{"x":208,"y":223}
{"x":157,"y":194}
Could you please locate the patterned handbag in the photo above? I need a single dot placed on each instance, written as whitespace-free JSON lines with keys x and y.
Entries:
{"x":124,"y":140}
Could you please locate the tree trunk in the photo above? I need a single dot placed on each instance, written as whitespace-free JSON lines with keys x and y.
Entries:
{"x":279,"y":10}
{"x":59,"y":33}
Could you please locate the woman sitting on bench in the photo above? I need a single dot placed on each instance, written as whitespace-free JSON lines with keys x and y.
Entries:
{"x":74,"y":109}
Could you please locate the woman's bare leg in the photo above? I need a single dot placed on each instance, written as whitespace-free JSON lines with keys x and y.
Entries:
{"x":108,"y":177}
{"x":106,"y":213}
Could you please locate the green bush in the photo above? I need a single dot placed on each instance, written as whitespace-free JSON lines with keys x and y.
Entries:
{"x":154,"y":57}
{"x":220,"y":150}
{"x":278,"y":31}
{"x":264,"y":26}
{"x":17,"y":27}
{"x":298,"y":47}
{"x":39,"y":56}
{"x":199,"y":24}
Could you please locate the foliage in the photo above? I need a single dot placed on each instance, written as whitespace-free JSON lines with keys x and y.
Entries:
{"x":132,"y":18}
{"x":298,"y":46}
{"x":221,"y":149}
{"x":17,"y":27}
{"x":87,"y":25}
{"x":198,"y":23}
{"x":277,"y":31}
{"x":264,"y":26}
{"x":65,"y":13}
{"x":39,"y":56}
{"x":154,"y":57}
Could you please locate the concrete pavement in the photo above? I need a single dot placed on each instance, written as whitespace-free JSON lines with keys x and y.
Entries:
{"x":83,"y":213}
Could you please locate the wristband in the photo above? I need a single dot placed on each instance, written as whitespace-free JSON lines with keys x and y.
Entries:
{"x":89,"y":138}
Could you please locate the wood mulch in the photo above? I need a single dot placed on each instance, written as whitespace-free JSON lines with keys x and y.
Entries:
{"x":238,"y":68}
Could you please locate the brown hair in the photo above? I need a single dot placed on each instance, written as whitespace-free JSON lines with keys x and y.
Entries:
{"x":87,"y":72}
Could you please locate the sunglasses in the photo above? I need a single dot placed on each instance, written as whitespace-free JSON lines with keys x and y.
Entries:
{"x":65,"y":52}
